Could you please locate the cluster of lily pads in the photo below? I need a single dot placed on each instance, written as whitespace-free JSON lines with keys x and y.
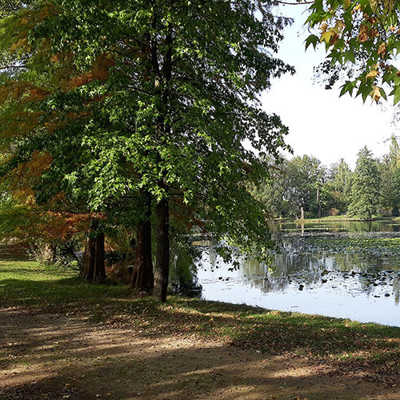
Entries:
{"x":368,"y":246}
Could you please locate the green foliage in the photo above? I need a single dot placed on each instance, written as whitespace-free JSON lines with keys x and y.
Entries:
{"x":361,"y":40}
{"x":365,"y":193}
{"x":160,"y":98}
{"x":271,"y":192}
{"x":304,"y":182}
{"x":299,"y":182}
{"x":341,"y":183}
{"x":8,"y":7}
{"x":304,"y":179}
{"x":390,"y":177}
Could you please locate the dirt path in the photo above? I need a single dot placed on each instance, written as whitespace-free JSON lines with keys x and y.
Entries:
{"x":61,"y":356}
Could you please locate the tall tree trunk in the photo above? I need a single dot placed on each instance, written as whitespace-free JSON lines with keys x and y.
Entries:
{"x":319,"y":203}
{"x":162,"y":92}
{"x":162,"y":264}
{"x":93,"y":269}
{"x":45,"y":253}
{"x":87,"y":270}
{"x":301,"y":212}
{"x":143,"y":277}
{"x":99,"y":274}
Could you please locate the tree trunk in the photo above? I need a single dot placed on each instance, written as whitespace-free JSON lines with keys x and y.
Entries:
{"x":143,"y":277}
{"x":319,"y":203}
{"x":93,"y":269}
{"x":99,"y":274}
{"x":45,"y":253}
{"x":302,"y":212}
{"x":87,"y":271}
{"x":162,"y":264}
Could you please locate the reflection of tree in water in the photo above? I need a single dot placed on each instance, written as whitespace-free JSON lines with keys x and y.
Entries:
{"x":296,"y":266}
{"x":372,"y":272}
{"x":183,"y":268}
{"x":396,"y":289}
{"x":284,"y":270}
{"x":360,"y":263}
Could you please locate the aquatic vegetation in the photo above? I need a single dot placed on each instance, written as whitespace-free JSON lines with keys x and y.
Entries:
{"x":368,"y":246}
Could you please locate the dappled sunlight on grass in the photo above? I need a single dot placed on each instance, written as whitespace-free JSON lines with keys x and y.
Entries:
{"x":62,"y":327}
{"x":29,"y":283}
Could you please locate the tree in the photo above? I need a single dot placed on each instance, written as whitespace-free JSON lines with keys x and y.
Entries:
{"x":304,"y":178}
{"x":390,"y":172}
{"x":341,"y":182}
{"x":157,"y":104}
{"x":271,"y":191}
{"x":366,"y":186}
{"x":33,"y":185}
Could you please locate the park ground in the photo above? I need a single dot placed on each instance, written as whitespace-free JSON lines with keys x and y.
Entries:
{"x":64,"y":339}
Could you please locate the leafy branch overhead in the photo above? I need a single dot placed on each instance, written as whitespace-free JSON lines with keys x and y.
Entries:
{"x":363,"y":38}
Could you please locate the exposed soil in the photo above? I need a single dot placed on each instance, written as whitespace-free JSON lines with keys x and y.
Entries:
{"x":69,"y":356}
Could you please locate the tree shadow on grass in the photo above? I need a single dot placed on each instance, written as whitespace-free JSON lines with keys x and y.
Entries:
{"x":71,"y":359}
{"x":343,"y":345}
{"x":346,"y":345}
{"x":52,"y":294}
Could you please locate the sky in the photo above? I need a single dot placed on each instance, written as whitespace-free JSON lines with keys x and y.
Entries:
{"x":321,"y":123}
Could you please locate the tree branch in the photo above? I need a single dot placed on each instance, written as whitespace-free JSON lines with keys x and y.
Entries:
{"x":12,"y":67}
{"x":293,"y":4}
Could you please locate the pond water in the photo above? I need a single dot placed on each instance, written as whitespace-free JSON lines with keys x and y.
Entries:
{"x":349,"y":270}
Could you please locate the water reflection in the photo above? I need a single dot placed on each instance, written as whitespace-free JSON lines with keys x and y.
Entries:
{"x":183,"y":271}
{"x":356,"y":285}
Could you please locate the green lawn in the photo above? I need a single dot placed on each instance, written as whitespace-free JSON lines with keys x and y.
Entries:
{"x":338,"y":218}
{"x":31,"y":284}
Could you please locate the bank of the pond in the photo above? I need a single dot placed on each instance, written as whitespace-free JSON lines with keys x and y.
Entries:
{"x":339,"y":218}
{"x":56,"y":329}
{"x":336,"y":218}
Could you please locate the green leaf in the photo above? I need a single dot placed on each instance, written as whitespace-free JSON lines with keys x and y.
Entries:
{"x":349,"y":86}
{"x":312,"y":39}
{"x":396,"y":94}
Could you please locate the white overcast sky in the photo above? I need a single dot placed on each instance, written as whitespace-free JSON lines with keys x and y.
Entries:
{"x":322,"y":124}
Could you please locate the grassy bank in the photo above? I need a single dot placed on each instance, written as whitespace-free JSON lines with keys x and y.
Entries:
{"x":345,"y":345}
{"x":334,"y":219}
{"x":344,"y":218}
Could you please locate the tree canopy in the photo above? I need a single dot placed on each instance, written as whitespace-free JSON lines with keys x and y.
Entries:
{"x":124,"y":100}
{"x":366,"y":184}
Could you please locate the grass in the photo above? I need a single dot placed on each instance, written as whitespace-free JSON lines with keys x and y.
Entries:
{"x":28,"y":283}
{"x":344,"y":218}
{"x":346,"y":345}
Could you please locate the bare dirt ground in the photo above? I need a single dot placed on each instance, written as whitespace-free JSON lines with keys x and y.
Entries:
{"x":69,"y":356}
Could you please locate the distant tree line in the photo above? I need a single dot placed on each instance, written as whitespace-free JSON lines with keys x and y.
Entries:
{"x":302,"y":187}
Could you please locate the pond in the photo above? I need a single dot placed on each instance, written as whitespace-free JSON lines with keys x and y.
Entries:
{"x":349,"y":270}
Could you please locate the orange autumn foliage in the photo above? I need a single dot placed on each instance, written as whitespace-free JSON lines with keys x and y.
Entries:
{"x":21,"y":124}
{"x":50,"y":226}
{"x":63,"y":225}
{"x":23,"y":195}
{"x":99,"y":71}
{"x":22,"y":178}
{"x":23,"y":92}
